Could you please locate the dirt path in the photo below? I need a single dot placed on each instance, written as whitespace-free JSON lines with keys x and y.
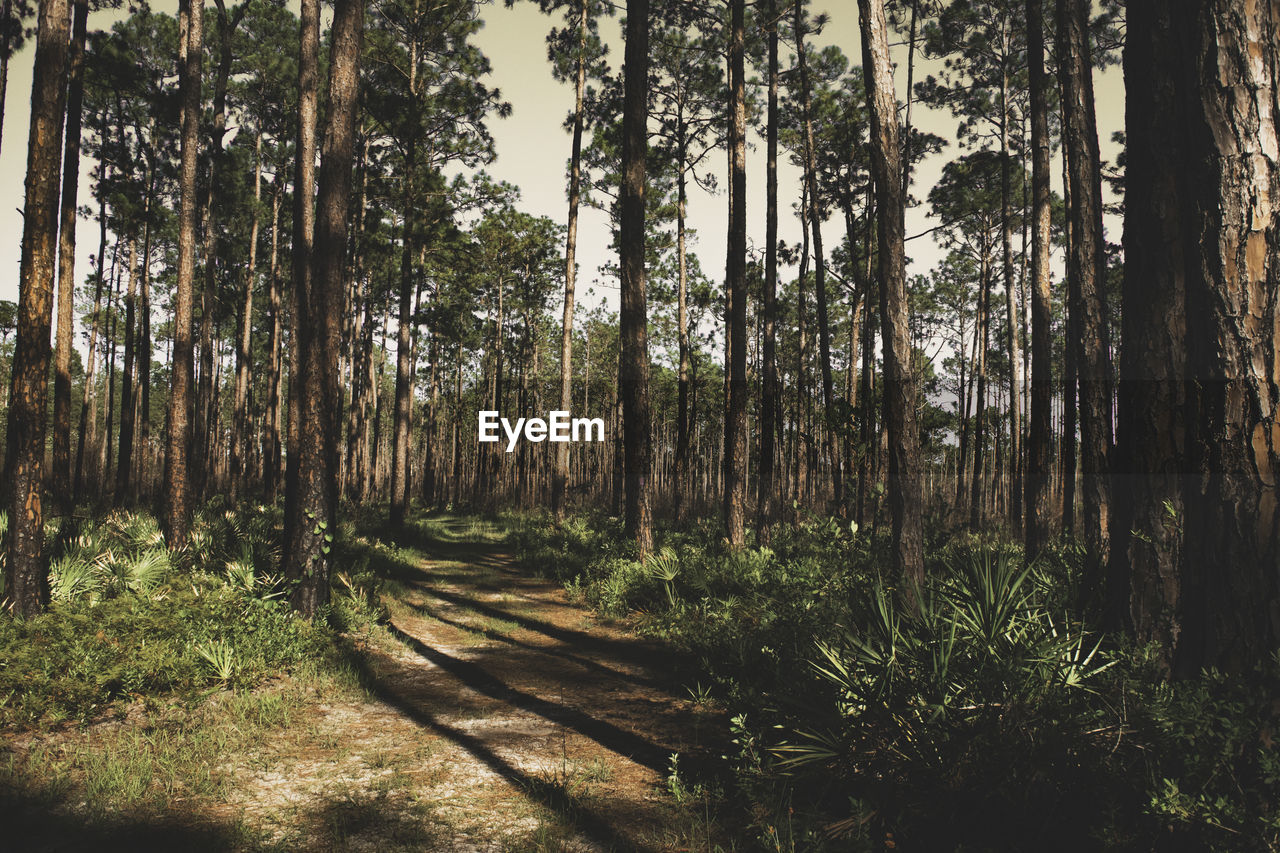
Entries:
{"x":549,"y":728}
{"x":495,"y":716}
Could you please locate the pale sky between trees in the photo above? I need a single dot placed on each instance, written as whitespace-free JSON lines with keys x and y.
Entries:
{"x":533,"y":149}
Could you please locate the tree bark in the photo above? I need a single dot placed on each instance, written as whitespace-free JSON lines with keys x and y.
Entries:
{"x":735,"y":429}
{"x":1087,"y":258}
{"x":244,"y":339}
{"x":633,"y":364}
{"x":1197,"y":520}
{"x":769,"y":298}
{"x":304,"y":219}
{"x":26,"y":574}
{"x":560,"y":472}
{"x":404,"y":345}
{"x":181,"y":401}
{"x":899,"y":387}
{"x":819,"y":259}
{"x":62,"y":491}
{"x":1039,"y":494}
{"x":320,"y":328}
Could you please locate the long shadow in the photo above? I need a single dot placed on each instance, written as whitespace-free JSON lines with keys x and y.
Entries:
{"x":586,"y":663}
{"x":570,"y":808}
{"x":625,"y":743}
{"x":36,"y":824}
{"x":630,"y":651}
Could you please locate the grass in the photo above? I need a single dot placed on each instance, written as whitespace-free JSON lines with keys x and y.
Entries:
{"x":991,"y":718}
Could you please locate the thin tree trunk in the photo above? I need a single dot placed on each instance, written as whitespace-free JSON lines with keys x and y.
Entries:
{"x":769,"y":297}
{"x":819,"y":259}
{"x":244,"y":340}
{"x":1087,"y":258}
{"x":62,"y":492}
{"x":735,"y":432}
{"x":1013,"y":337}
{"x":633,"y":364}
{"x":560,"y":472}
{"x":1039,"y":504}
{"x":304,"y":218}
{"x":87,"y":396}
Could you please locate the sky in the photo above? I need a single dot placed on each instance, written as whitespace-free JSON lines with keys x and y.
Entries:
{"x":533,"y":148}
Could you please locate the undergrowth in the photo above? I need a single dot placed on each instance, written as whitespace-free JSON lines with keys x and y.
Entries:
{"x":975,"y":713}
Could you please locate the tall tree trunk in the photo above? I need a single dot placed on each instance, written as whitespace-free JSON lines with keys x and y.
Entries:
{"x":244,"y":339}
{"x":271,"y":454}
{"x":207,"y":392}
{"x":26,"y":574}
{"x":735,"y":425}
{"x":304,"y":222}
{"x":128,"y":393}
{"x":1039,"y":494}
{"x":311,"y":535}
{"x":899,"y":386}
{"x":87,"y":396}
{"x":142,"y":350}
{"x":560,"y":472}
{"x":684,"y":420}
{"x":769,"y":297}
{"x":819,"y":259}
{"x":62,"y":492}
{"x":1070,"y":376}
{"x":976,"y":501}
{"x":1013,"y":337}
{"x":1197,"y":524}
{"x":404,"y":346}
{"x":6,"y":53}
{"x":1087,"y":258}
{"x":633,"y":363}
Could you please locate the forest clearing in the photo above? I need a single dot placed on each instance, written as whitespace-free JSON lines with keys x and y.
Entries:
{"x":389,"y":465}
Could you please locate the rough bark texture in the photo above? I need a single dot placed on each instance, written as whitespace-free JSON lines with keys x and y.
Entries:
{"x":26,"y":575}
{"x":1087,"y":259}
{"x":1039,"y":495}
{"x":62,"y":491}
{"x":311,"y":533}
{"x":633,"y":364}
{"x":899,"y":388}
{"x":177,"y":476}
{"x":735,"y":423}
{"x":304,"y":224}
{"x":1199,"y":440}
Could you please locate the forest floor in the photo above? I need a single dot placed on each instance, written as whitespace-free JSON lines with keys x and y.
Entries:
{"x":494,"y":715}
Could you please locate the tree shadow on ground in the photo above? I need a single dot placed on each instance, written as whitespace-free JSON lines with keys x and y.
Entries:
{"x":576,"y":813}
